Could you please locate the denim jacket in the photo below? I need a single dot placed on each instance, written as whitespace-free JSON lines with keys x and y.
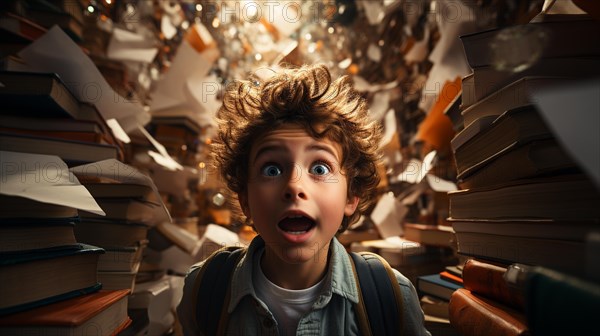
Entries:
{"x":332,"y":313}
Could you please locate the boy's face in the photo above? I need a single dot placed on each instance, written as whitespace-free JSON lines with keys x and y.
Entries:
{"x":296,"y":195}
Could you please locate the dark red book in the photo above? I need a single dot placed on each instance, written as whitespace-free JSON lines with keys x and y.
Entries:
{"x":488,"y":280}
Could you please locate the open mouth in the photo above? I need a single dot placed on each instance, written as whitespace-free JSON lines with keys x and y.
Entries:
{"x":296,"y":224}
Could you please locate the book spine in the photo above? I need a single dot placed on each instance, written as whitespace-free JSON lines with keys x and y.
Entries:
{"x":473,"y":315}
{"x":488,"y":280}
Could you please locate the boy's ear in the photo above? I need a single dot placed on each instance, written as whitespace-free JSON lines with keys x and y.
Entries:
{"x":243,"y":200}
{"x":351,"y":205}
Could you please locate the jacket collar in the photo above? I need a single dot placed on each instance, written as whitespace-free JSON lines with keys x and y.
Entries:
{"x":339,"y":279}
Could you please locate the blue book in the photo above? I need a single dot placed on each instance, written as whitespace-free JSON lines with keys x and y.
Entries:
{"x":436,"y":286}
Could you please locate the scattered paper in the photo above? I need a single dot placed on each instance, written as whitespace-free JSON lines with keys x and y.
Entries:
{"x":388,"y":215}
{"x":173,"y":182}
{"x":82,"y":77}
{"x":182,"y":238}
{"x":162,"y":157}
{"x":577,"y":130}
{"x":188,"y":65}
{"x":448,"y":55}
{"x":379,"y":105}
{"x":390,"y":128}
{"x":412,"y":173}
{"x":44,"y":178}
{"x":374,"y":53}
{"x":438,"y":184}
{"x":419,"y":50}
{"x":374,"y":11}
{"x":560,"y":7}
{"x":167,"y":28}
{"x":202,"y":95}
{"x":117,"y":130}
{"x":416,"y":170}
{"x":128,"y":46}
{"x":345,"y":63}
{"x":361,"y":85}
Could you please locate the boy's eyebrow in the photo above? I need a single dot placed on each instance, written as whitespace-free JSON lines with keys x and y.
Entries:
{"x":268,"y":148}
{"x":280,"y":148}
{"x":328,"y":149}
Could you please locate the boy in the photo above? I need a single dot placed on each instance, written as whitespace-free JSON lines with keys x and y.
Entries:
{"x":300,"y":153}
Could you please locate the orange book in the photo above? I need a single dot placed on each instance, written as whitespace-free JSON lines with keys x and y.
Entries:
{"x":471,"y":314}
{"x":488,"y":280}
{"x":104,"y":312}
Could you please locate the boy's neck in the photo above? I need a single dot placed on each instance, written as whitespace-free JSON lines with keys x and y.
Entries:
{"x":294,"y":276}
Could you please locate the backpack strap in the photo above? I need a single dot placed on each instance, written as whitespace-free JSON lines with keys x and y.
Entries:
{"x":380,"y":305}
{"x":212,"y":290}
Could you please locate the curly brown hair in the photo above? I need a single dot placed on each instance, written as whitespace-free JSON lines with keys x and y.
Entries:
{"x":308,"y":97}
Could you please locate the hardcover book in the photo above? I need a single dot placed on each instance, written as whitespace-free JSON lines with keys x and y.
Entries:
{"x":26,"y":234}
{"x":41,"y":94}
{"x":553,"y":253}
{"x":559,"y":198}
{"x":567,"y":37}
{"x":488,"y":79}
{"x":515,"y":162}
{"x":102,"y":313}
{"x":515,"y":126}
{"x":488,"y":280}
{"x":434,"y":285}
{"x":473,"y":315}
{"x":72,"y":152}
{"x":110,"y":233}
{"x":31,"y":279}
{"x":516,"y":94}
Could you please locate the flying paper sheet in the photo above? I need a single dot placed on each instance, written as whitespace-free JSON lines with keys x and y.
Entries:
{"x":388,"y":215}
{"x":128,"y":46}
{"x":44,"y":178}
{"x":573,"y":113}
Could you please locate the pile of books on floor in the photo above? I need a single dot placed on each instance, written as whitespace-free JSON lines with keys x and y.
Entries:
{"x":132,"y":206}
{"x":525,"y":198}
{"x":49,"y":278}
{"x":41,"y":115}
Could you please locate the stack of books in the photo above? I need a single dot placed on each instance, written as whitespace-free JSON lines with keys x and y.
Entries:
{"x":38,"y":238}
{"x":132,"y":205}
{"x":487,"y":302}
{"x":435,"y":291}
{"x":49,"y":279}
{"x":524,"y":198}
{"x":41,"y":115}
{"x":68,"y":15}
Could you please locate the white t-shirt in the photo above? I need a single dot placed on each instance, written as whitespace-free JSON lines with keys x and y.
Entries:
{"x":287,"y":305}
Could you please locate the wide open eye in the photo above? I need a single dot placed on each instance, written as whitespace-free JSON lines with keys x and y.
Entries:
{"x":320,"y":169}
{"x":271,"y":170}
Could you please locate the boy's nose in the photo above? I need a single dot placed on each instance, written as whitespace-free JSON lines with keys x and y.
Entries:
{"x":292,"y":193}
{"x":294,"y":189}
